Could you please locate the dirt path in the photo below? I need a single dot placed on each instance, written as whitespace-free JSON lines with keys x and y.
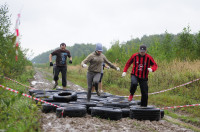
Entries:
{"x":50,"y":123}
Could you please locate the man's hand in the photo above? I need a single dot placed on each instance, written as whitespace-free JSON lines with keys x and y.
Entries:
{"x":84,"y":65}
{"x":70,"y":61}
{"x":123,"y":74}
{"x":150,"y":70}
{"x":51,"y":63}
{"x":118,"y":69}
{"x":107,"y":67}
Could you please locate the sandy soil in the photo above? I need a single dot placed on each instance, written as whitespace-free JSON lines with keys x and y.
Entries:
{"x":50,"y":123}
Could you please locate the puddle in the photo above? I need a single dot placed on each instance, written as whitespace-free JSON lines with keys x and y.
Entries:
{"x":36,"y":82}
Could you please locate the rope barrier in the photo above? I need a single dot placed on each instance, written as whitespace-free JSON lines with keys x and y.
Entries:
{"x":169,"y":88}
{"x":174,"y":107}
{"x":18,"y":82}
{"x":31,"y":97}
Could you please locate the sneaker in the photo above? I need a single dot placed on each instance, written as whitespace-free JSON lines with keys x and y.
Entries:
{"x":98,"y":93}
{"x":130,"y":97}
{"x":55,"y":85}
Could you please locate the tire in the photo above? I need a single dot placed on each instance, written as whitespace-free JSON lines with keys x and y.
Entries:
{"x":50,"y":99}
{"x":35,"y":91}
{"x":106,"y":113}
{"x":84,"y":93}
{"x":117,"y":104}
{"x":103,"y":95}
{"x":46,"y":108}
{"x":151,"y":114}
{"x":72,"y":105}
{"x":162,"y":113}
{"x":60,"y":89}
{"x":81,"y":96}
{"x":139,"y":107}
{"x":93,"y":98}
{"x":46,"y":95}
{"x":75,"y":111}
{"x":88,"y":105}
{"x":115,"y":99}
{"x":125,"y":112}
{"x":133,"y":103}
{"x":65,"y":96}
{"x":138,"y":102}
{"x":52,"y":91}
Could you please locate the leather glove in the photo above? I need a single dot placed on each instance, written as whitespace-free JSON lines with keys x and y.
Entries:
{"x":84,"y":65}
{"x":150,"y":70}
{"x":70,"y":61}
{"x":123,"y":74}
{"x":118,"y":69}
{"x":51,"y":63}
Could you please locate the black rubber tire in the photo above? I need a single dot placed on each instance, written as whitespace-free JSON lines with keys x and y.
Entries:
{"x":61,"y":89}
{"x":88,"y":105}
{"x":139,"y":107}
{"x":72,"y":105}
{"x":52,"y":91}
{"x":75,"y":111}
{"x":81,"y":96}
{"x":115,"y":99}
{"x":46,"y":108}
{"x":35,"y":91}
{"x":103,"y":95}
{"x":106,"y":113}
{"x":50,"y":99}
{"x":145,"y":114}
{"x":39,"y":93}
{"x":65,"y":96}
{"x":84,"y":93}
{"x":117,"y":104}
{"x":133,"y":103}
{"x":46,"y":95}
{"x":138,"y":102}
{"x":93,"y":98}
{"x":125,"y":112}
{"x":162,"y":113}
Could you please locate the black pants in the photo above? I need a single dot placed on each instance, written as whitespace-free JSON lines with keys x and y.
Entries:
{"x":143,"y":88}
{"x":63,"y":70}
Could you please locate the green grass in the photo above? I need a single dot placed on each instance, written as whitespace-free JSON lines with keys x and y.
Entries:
{"x":185,"y":118}
{"x":18,"y":113}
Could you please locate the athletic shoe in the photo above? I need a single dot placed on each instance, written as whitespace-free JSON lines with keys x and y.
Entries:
{"x":130,"y":97}
{"x":55,"y":85}
{"x":98,"y":93}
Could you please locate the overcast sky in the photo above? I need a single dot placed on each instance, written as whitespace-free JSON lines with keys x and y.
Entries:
{"x":47,"y":23}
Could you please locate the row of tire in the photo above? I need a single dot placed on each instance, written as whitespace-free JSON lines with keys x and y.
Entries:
{"x":106,"y":106}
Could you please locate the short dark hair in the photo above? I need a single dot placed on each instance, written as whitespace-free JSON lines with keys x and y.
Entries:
{"x":62,"y":44}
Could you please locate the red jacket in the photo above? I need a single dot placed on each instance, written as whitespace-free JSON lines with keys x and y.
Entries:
{"x":140,"y":65}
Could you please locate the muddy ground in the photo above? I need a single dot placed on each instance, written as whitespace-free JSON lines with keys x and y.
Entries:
{"x":50,"y":123}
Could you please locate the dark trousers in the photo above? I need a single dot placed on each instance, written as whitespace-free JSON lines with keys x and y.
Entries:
{"x":143,"y":88}
{"x":63,"y":70}
{"x":92,"y":80}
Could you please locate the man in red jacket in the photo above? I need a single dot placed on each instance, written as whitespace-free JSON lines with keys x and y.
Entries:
{"x":143,"y":63}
